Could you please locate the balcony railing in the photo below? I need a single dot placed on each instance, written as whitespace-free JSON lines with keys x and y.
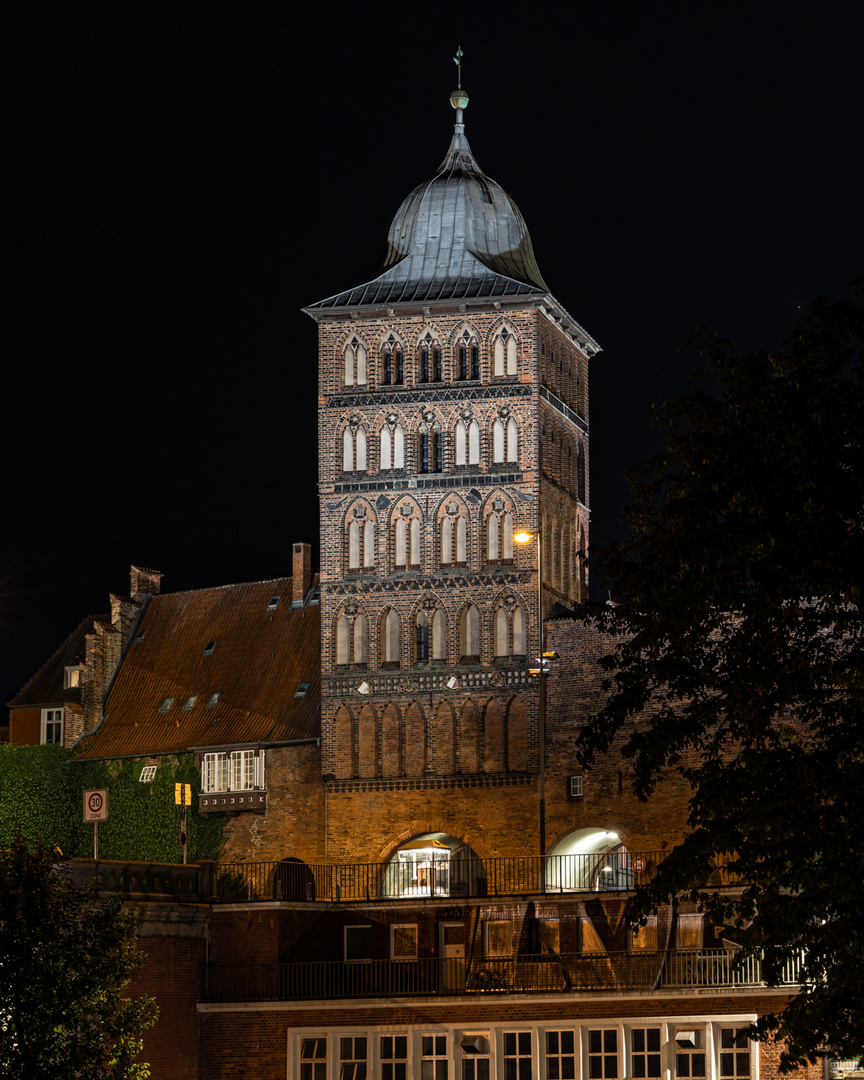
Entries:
{"x":570,"y":973}
{"x":515,"y":876}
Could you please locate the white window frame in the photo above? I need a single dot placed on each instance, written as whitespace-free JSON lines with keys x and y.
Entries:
{"x":71,"y":676}
{"x":214,"y":772}
{"x":55,"y":718}
{"x":391,"y":1064}
{"x":313,"y":1062}
{"x":518,"y":1056}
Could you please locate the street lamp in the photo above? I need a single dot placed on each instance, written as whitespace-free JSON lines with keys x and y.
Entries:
{"x":541,"y":672}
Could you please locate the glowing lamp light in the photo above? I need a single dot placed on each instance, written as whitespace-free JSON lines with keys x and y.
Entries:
{"x":523,"y":537}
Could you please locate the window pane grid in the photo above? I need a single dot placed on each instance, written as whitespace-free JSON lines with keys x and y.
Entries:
{"x":560,"y":1055}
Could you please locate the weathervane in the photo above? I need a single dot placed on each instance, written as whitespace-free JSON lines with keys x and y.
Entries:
{"x":458,"y":99}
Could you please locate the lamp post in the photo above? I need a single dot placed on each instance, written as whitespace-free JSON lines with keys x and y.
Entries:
{"x":525,"y":538}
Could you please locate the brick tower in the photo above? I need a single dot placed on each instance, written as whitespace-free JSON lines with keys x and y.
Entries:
{"x":453,"y":413}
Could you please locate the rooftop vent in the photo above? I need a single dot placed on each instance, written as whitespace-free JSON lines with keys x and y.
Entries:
{"x":140,"y":637}
{"x":214,"y":699}
{"x":166,"y":704}
{"x":274,"y":603}
{"x":190,"y":701}
{"x":301,"y":689}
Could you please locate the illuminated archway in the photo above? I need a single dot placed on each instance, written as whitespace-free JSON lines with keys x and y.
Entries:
{"x":434,"y":864}
{"x":594,"y":860}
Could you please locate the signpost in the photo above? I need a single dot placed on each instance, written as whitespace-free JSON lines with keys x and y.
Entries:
{"x":96,"y":810}
{"x":183,"y":798}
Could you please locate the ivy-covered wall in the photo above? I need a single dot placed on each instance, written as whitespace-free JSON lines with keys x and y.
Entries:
{"x":41,"y":790}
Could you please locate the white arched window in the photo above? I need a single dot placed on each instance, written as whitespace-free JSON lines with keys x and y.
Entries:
{"x":505,"y":353}
{"x":390,"y":637}
{"x":343,"y":640}
{"x":492,"y":538}
{"x":355,"y":363}
{"x":469,"y":633}
{"x":446,"y":541}
{"x":461,"y":444}
{"x":497,"y":441}
{"x":507,"y":537}
{"x":368,"y":544}
{"x":512,"y":440}
{"x":461,"y":541}
{"x":386,"y":449}
{"x":398,"y":447}
{"x":401,"y":545}
{"x":354,"y":545}
{"x":347,"y":451}
{"x":474,"y":443}
{"x":502,"y":632}
{"x":361,"y":635}
{"x":415,"y":542}
{"x":361,"y":449}
{"x":520,"y":640}
{"x":439,"y":635}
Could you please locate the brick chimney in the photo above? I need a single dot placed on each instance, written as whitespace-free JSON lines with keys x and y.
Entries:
{"x":301,"y":581}
{"x":143,"y":581}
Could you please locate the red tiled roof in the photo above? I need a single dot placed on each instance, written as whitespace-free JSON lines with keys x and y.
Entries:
{"x":259,"y":660}
{"x":46,"y":686}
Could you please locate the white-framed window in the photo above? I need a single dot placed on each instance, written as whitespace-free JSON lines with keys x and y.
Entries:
{"x":148,"y":774}
{"x":71,"y":676}
{"x":475,"y":1055}
{"x":645,"y":1058}
{"x":214,"y":772}
{"x":561,"y":1049}
{"x":393,"y":1056}
{"x":690,"y":1061}
{"x":603,"y":1054}
{"x":358,"y":942}
{"x":403,"y":941}
{"x":313,"y":1058}
{"x":433,"y":1057}
{"x":352,"y":1057}
{"x":734,"y":1053}
{"x":516,"y":1053}
{"x":241,"y":770}
{"x":51,"y":728}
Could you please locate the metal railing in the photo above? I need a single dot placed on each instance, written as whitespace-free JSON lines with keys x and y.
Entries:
{"x":429,"y":976}
{"x":607,"y":872}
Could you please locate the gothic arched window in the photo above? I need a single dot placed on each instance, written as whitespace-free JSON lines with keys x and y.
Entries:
{"x":473,"y":443}
{"x":368,"y":544}
{"x":343,"y":641}
{"x":414,"y":543}
{"x":461,"y":443}
{"x":398,"y":447}
{"x":461,"y":542}
{"x":497,"y":442}
{"x":469,"y":635}
{"x":446,"y":541}
{"x":512,"y":440}
{"x":504,"y":352}
{"x":385,"y":454}
{"x":360,"y":452}
{"x":400,"y":549}
{"x":347,"y":451}
{"x":439,"y":635}
{"x":421,"y":637}
{"x":361,"y":636}
{"x":355,"y":362}
{"x":492,"y":538}
{"x":429,"y":359}
{"x":392,"y":363}
{"x":467,"y":357}
{"x":507,"y":537}
{"x":390,"y":645}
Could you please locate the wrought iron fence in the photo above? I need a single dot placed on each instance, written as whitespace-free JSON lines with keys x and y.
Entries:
{"x":293,"y":880}
{"x":429,"y":976}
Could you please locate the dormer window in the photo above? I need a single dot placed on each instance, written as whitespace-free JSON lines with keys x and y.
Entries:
{"x":301,"y":689}
{"x":140,"y":637}
{"x":71,"y":676}
{"x":209,"y":647}
{"x":190,"y":701}
{"x":274,"y":603}
{"x":214,"y":699}
{"x":166,"y":704}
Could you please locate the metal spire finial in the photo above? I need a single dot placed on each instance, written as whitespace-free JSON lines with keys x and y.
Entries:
{"x":458,"y":99}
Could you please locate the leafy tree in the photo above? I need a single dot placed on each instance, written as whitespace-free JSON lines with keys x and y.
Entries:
{"x":66,"y":959}
{"x":739,"y":664}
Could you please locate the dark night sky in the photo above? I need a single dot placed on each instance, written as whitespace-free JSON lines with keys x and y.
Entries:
{"x":185,"y":179}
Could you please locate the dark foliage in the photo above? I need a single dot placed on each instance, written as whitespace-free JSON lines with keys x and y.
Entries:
{"x":65,"y":963}
{"x":741,"y":664}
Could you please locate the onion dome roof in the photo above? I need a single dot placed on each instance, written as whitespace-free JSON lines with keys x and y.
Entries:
{"x":457,"y":235}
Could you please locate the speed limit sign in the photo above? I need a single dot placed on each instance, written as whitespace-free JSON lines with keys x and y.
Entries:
{"x":96,"y":805}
